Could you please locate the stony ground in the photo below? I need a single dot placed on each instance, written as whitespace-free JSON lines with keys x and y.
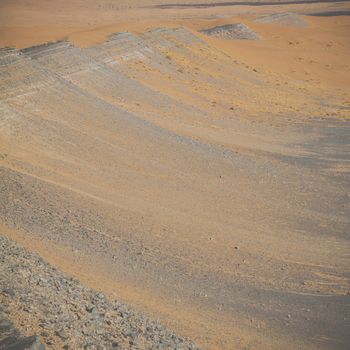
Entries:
{"x":232,"y":31}
{"x":41,"y":300}
{"x":287,"y":18}
{"x":11,"y":338}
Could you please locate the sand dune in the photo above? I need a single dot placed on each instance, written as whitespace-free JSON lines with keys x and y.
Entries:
{"x":203,"y":181}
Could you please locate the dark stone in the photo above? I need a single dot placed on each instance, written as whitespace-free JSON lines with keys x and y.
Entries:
{"x":27,"y":343}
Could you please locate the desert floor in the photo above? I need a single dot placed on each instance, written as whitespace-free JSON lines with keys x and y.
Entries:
{"x":201,"y":180}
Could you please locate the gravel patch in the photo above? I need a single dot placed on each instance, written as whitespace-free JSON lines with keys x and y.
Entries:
{"x":287,"y":18}
{"x":53,"y":310}
{"x":232,"y":31}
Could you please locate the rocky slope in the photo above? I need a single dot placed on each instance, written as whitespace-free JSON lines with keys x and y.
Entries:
{"x":40,"y":299}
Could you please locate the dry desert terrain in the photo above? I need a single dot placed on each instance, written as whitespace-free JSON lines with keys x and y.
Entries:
{"x":174,"y":175}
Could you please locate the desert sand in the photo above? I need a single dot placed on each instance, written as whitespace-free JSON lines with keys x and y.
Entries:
{"x":199,"y":179}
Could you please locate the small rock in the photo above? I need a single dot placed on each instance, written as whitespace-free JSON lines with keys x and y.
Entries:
{"x":89,"y":308}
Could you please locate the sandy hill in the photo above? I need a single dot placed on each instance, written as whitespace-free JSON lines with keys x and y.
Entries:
{"x":200,"y":180}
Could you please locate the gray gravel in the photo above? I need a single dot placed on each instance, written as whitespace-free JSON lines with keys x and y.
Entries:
{"x":11,"y":338}
{"x":287,"y":18}
{"x":232,"y":31}
{"x":45,"y":304}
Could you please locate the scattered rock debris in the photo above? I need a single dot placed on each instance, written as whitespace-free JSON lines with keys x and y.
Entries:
{"x":287,"y":18}
{"x":42,"y":308}
{"x":232,"y":31}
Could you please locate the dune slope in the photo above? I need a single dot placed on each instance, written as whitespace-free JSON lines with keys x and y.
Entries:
{"x":194,"y":186}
